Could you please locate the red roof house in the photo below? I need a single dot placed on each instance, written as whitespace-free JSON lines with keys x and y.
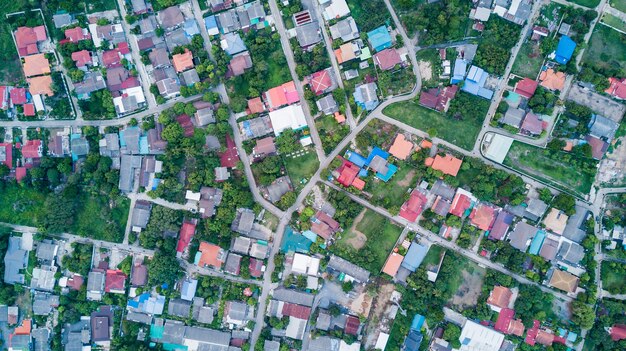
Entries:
{"x":211,"y":255}
{"x":321,"y":81}
{"x":32,"y":149}
{"x":255,"y":267}
{"x":123,"y":48}
{"x":20,"y":173}
{"x":255,"y":105}
{"x":532,"y":333}
{"x":77,"y":34}
{"x":618,"y":332}
{"x":617,"y":88}
{"x":185,"y":122}
{"x":297,"y":311}
{"x":230,"y":156}
{"x":526,"y":87}
{"x":82,"y":58}
{"x":598,"y":147}
{"x":347,"y":173}
{"x":352,"y":325}
{"x":7,"y":154}
{"x":18,"y":96}
{"x":460,"y":204}
{"x":285,"y":94}
{"x":499,"y":297}
{"x":414,"y":206}
{"x":115,"y":281}
{"x":504,"y":319}
{"x":483,"y":216}
{"x":4,"y":97}
{"x":387,"y":59}
{"x":532,"y":124}
{"x":186,"y":234}
{"x":27,"y":38}
{"x":29,"y":110}
{"x":323,"y":217}
{"x":111,"y":58}
{"x":448,"y":164}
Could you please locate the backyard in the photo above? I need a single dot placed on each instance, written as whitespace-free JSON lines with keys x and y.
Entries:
{"x":528,"y":61}
{"x":459,"y":130}
{"x":613,"y":277}
{"x":586,"y":3}
{"x":552,"y":167}
{"x":607,"y":48}
{"x":369,"y":241}
{"x":301,"y":166}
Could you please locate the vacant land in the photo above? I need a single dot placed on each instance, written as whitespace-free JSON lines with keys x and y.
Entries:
{"x":20,"y":205}
{"x":613,"y":277}
{"x":10,"y":69}
{"x":587,"y":3}
{"x":528,"y":61}
{"x":607,"y":48}
{"x":614,"y":22}
{"x":461,"y":132}
{"x":549,"y":167}
{"x":301,"y":166}
{"x":369,"y":14}
{"x":331,"y":132}
{"x":392,"y":194}
{"x":619,"y":4}
{"x":381,"y":236}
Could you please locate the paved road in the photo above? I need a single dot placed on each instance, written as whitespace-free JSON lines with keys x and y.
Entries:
{"x":280,"y":27}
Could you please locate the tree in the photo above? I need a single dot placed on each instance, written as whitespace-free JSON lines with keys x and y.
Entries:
{"x":76,"y":75}
{"x":163,"y":269}
{"x":60,"y":211}
{"x":172,"y":133}
{"x":565,"y":203}
{"x":555,"y":145}
{"x":582,"y":314}
{"x":452,"y":334}
{"x":347,"y":286}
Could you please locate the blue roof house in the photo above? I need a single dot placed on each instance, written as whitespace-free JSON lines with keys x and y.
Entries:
{"x":211,"y":25}
{"x":191,"y":28}
{"x":414,"y":256}
{"x":413,"y":341}
{"x":365,"y":96}
{"x":418,"y":322}
{"x":460,"y":68}
{"x":475,"y":83}
{"x":564,"y":50}
{"x":379,"y":38}
{"x":233,"y":44}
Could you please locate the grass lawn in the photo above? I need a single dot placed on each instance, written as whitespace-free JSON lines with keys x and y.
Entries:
{"x":605,"y":48}
{"x":381,"y":237}
{"x":462,"y":133}
{"x":369,"y":14}
{"x":10,"y":68}
{"x":331,"y":132}
{"x":393,"y":193}
{"x":528,"y":61}
{"x":402,"y":81}
{"x":550,"y":13}
{"x":96,"y":219}
{"x":533,"y":160}
{"x":613,"y":277}
{"x":619,"y":4}
{"x":587,"y":3}
{"x":101,"y":5}
{"x":433,"y":256}
{"x":20,"y":205}
{"x":614,"y":22}
{"x":301,"y":168}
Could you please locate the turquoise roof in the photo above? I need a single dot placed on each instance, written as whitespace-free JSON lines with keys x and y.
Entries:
{"x":535,"y":245}
{"x":379,"y":38}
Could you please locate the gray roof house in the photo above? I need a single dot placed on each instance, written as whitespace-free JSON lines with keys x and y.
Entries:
{"x":176,"y":38}
{"x":237,"y":312}
{"x":571,"y":253}
{"x":279,"y":187}
{"x":95,"y":285}
{"x":513,"y":117}
{"x":270,"y":345}
{"x":40,"y":339}
{"x":189,"y":77}
{"x":340,"y":265}
{"x":171,"y":17}
{"x":575,"y":229}
{"x":228,"y":21}
{"x":159,"y":58}
{"x":308,"y":34}
{"x":173,"y":332}
{"x":62,"y":19}
{"x":80,"y":146}
{"x":243,"y":222}
{"x":92,"y":81}
{"x":15,"y":260}
{"x":179,"y":308}
{"x":327,"y":105}
{"x":233,"y":44}
{"x":324,"y":343}
{"x":168,"y":87}
{"x":148,"y":25}
{"x":293,"y":296}
{"x":141,"y":214}
{"x":241,"y":245}
{"x":47,"y":251}
{"x":129,"y":166}
{"x":233,"y":264}
{"x":535,"y":209}
{"x":43,"y":278}
{"x":207,"y":339}
{"x":139,"y":6}
{"x":602,"y":127}
{"x":345,"y":30}
{"x":204,"y":117}
{"x":521,"y":235}
{"x":188,"y":289}
{"x":205,"y":315}
{"x":43,"y":303}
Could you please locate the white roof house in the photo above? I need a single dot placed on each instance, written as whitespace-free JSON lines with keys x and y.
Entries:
{"x":475,"y":337}
{"x":336,"y":9}
{"x":290,"y":116}
{"x":303,"y":264}
{"x":381,"y":342}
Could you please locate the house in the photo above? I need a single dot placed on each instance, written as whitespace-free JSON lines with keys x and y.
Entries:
{"x":183,"y":62}
{"x":264,"y":147}
{"x":159,"y":57}
{"x":617,"y":88}
{"x":62,"y":20}
{"x":501,"y":225}
{"x":18,"y":96}
{"x":387,"y":59}
{"x":92,"y":81}
{"x":237,"y":313}
{"x":140,"y":7}
{"x":210,"y":255}
{"x":507,"y":325}
{"x":617,"y":332}
{"x":322,"y":81}
{"x":6,"y":154}
{"x":345,"y":29}
{"x":170,"y":18}
{"x":43,"y":303}
{"x":95,"y":285}
{"x":563,"y":280}
{"x":552,"y":80}
{"x":499,"y":298}
{"x":43,"y":278}
{"x":40,"y":86}
{"x":448,"y":164}
{"x":475,"y":336}
{"x":233,"y":44}
{"x":36,"y":65}
{"x":305,"y":265}
{"x":463,"y":201}
{"x":188,"y":289}
{"x":513,"y":117}
{"x":230,"y":156}
{"x":365,"y":96}
{"x":327,"y":105}
{"x":526,"y":87}
{"x":102,"y":326}
{"x":602,"y":127}
{"x":564,"y":50}
{"x":548,"y":248}
{"x":27,"y":38}
{"x":210,"y":198}
{"x":32,"y":149}
{"x":115,"y":282}
{"x":285,"y":94}
{"x":255,"y":105}
{"x":598,"y":147}
{"x":570,"y":253}
{"x":438,"y":98}
{"x":204,"y":117}
{"x":308,"y":34}
{"x":141,"y":215}
{"x":414,"y":206}
{"x":393,"y":264}
{"x":379,"y":38}
{"x":289,"y":117}
{"x":475,"y":83}
{"x":348,"y":52}
{"x":179,"y":308}
{"x":210,"y":23}
{"x":460,"y":68}
{"x":555,"y":221}
{"x":191,"y":28}
{"x":77,"y":34}
{"x":351,"y":271}
{"x":483,"y":216}
{"x":532,"y":124}
{"x":414,"y":256}
{"x":187,"y":231}
{"x":168,"y":87}
{"x":401,"y":147}
{"x":139,"y":275}
{"x":82,"y":58}
{"x":521,"y":234}
{"x":15,"y":262}
{"x":240,"y":63}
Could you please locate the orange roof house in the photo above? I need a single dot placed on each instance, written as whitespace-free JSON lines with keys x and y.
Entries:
{"x":211,"y":255}
{"x":426,"y":144}
{"x":183,"y":62}
{"x":499,"y":298}
{"x":552,"y":80}
{"x":483,"y":216}
{"x":563,"y":281}
{"x":24,"y":328}
{"x":544,"y":338}
{"x":401,"y":148}
{"x":339,"y":117}
{"x":40,"y":85}
{"x":255,"y":105}
{"x":36,"y":65}
{"x":617,"y":88}
{"x":285,"y":94}
{"x":82,"y":58}
{"x":345,"y":53}
{"x":449,"y":164}
{"x":393,"y":264}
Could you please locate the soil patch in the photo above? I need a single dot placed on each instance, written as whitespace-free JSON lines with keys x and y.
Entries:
{"x":470,"y":289}
{"x":425,"y":70}
{"x":407,"y":180}
{"x":358,"y":240}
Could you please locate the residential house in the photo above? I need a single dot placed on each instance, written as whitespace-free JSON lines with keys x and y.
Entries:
{"x":549,"y":249}
{"x":139,"y":275}
{"x":159,"y":57}
{"x":130,"y":164}
{"x":77,"y":34}
{"x":285,"y":94}
{"x":602,"y":128}
{"x":345,"y":29}
{"x":555,"y":221}
{"x":387,"y":59}
{"x":475,"y":336}
{"x":240,"y":63}
{"x":564,"y":50}
{"x":379,"y":38}
{"x":327,"y":105}
{"x":617,"y":88}
{"x":179,"y":308}
{"x":36,"y":65}
{"x":279,"y":187}
{"x":230,"y":156}
{"x":93,"y":81}
{"x":264,"y":147}
{"x":187,"y":231}
{"x":365,"y":96}
{"x":552,"y":80}
{"x":500,"y":297}
{"x":501,"y":225}
{"x":322,"y":81}
{"x":570,"y":253}
{"x":233,"y":44}
{"x":141,"y":215}
{"x":521,"y":235}
{"x":15,"y":261}
{"x":483,"y":216}
{"x":414,"y":206}
{"x":237,"y":313}
{"x":513,"y":117}
{"x":532,"y":125}
{"x":335,"y":9}
{"x":210,"y":198}
{"x":351,"y":270}
{"x":475,"y":83}
{"x":204,"y":117}
{"x":183,"y":62}
{"x":82,"y":58}
{"x":210,"y":23}
{"x":102,"y":326}
{"x":288,"y":117}
{"x":210,"y":255}
{"x":170,"y":18}
{"x":438,"y":98}
{"x":414,"y":256}
{"x":448,"y":164}
{"x":43,"y":278}
{"x":44,"y":303}
{"x":563,"y":280}
{"x":297,"y":297}
{"x":526,"y":87}
{"x":256,"y":127}
{"x":27,"y":39}
{"x":62,"y":20}
{"x":115,"y":282}
{"x":308,"y":35}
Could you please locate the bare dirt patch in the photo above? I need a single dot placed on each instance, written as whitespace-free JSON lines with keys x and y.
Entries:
{"x":357,"y":241}
{"x":470,"y":289}
{"x":426,"y":70}
{"x":408,"y":179}
{"x":381,"y":302}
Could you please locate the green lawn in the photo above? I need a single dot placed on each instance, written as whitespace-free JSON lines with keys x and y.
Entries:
{"x":614,"y":22}
{"x":10,"y":68}
{"x":619,"y":4}
{"x":607,"y":48}
{"x":381,"y":238}
{"x":391,"y":195}
{"x":551,"y":168}
{"x":95,"y":218}
{"x":301,"y":168}
{"x":462,"y":133}
{"x":587,"y":3}
{"x":528,"y":61}
{"x":20,"y":205}
{"x":613,"y":277}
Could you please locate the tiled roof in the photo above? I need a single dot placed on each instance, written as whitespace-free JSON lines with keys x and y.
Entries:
{"x":448,"y":164}
{"x":35,"y":65}
{"x":401,"y":147}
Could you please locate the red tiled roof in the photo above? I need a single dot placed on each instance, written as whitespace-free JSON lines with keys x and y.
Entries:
{"x":186,"y":234}
{"x":544,"y":338}
{"x":617,"y":88}
{"x":230,"y":156}
{"x":504,"y":319}
{"x":359,"y":183}
{"x":130,"y":82}
{"x":322,"y":216}
{"x":210,"y":255}
{"x":500,"y":296}
{"x":483,"y":216}
{"x":185,"y":122}
{"x":281,"y":95}
{"x":81,"y":58}
{"x":618,"y":332}
{"x":26,"y":39}
{"x":532,"y":124}
{"x":182,"y":62}
{"x":18,"y":96}
{"x":387,"y":59}
{"x":598,"y":146}
{"x":8,"y":147}
{"x":140,"y":275}
{"x":393,"y":264}
{"x":32,"y":149}
{"x":321,"y":229}
{"x":123,"y":48}
{"x":347,"y":173}
{"x":412,"y":208}
{"x":256,"y":105}
{"x":526,"y":87}
{"x":460,"y":203}
{"x":516,"y":327}
{"x":352,"y":325}
{"x":76,"y":34}
{"x":115,"y":280}
{"x":320,"y":81}
{"x":255,"y":267}
{"x":111,"y":58}
{"x":29,"y":110}
{"x":75,"y":282}
{"x":532,"y":333}
{"x":448,"y":164}
{"x":297,"y":311}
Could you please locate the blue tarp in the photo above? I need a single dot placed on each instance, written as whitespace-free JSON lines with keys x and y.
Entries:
{"x":414,"y":256}
{"x":535,"y":245}
{"x":564,"y":50}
